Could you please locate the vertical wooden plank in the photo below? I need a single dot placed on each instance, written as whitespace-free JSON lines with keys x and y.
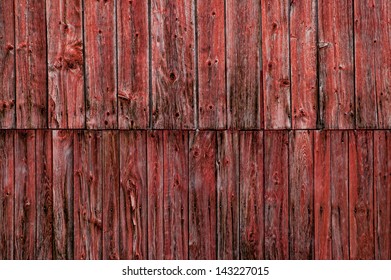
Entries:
{"x":7,"y":64}
{"x":155,"y":194}
{"x":382,"y":178}
{"x":227,"y":159}
{"x":276,"y":195}
{"x":63,"y":199}
{"x":275,"y":52}
{"x":339,"y":182}
{"x":361,"y":212}
{"x":202,"y":195}
{"x":301,"y":195}
{"x":101,"y":81}
{"x":244,"y":70}
{"x":251,"y":195}
{"x":176,"y":194}
{"x":303,"y":49}
{"x":173,"y":52}
{"x":7,"y":194}
{"x":88,"y":195}
{"x":133,"y":208}
{"x":336,"y":68}
{"x":133,"y":62}
{"x":211,"y":64}
{"x":44,"y":196}
{"x":322,"y":195}
{"x":31,"y":72}
{"x":65,"y":64}
{"x":111,"y":198}
{"x":25,"y":200}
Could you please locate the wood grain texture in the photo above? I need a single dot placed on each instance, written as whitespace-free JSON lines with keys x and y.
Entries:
{"x":211,"y":64}
{"x":63,"y":196}
{"x":202,"y":195}
{"x":133,"y":207}
{"x":361,"y":208}
{"x":7,"y":64}
{"x":25,"y":195}
{"x":7,"y":195}
{"x":276,"y":195}
{"x":31,"y":73}
{"x":303,"y":50}
{"x":100,"y":64}
{"x":227,"y":169}
{"x":133,"y":61}
{"x":382,"y":193}
{"x":301,"y":195}
{"x":336,"y":64}
{"x":65,"y":64}
{"x":244,"y":70}
{"x":173,"y":61}
{"x":251,"y":211}
{"x":276,"y":64}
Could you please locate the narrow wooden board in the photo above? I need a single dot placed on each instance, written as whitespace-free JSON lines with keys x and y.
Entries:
{"x":100,"y":64}
{"x":7,"y":64}
{"x":133,"y":207}
{"x":133,"y":62}
{"x":176,"y":194}
{"x":31,"y":72}
{"x":227,"y":169}
{"x":44,"y":195}
{"x":173,"y":61}
{"x":88,"y":195}
{"x":361,"y":211}
{"x":63,"y":199}
{"x":276,"y":64}
{"x":276,"y":195}
{"x":202,"y":195}
{"x":251,"y":212}
{"x":25,"y":195}
{"x":244,"y":70}
{"x":211,"y":64}
{"x":7,"y":195}
{"x":303,"y":50}
{"x":65,"y":64}
{"x":301,"y":195}
{"x":336,"y":64}
{"x":382,"y":193}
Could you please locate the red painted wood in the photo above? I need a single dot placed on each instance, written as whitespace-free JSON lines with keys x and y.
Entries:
{"x":211,"y":64}
{"x":88,"y":195}
{"x":227,"y":165}
{"x":202,"y":195}
{"x":155,"y":180}
{"x":25,"y":195}
{"x":382,"y":193}
{"x":251,"y":211}
{"x":65,"y":64}
{"x":275,"y":64}
{"x":63,"y":197}
{"x":336,"y":64}
{"x":361,"y":208}
{"x":44,"y":195}
{"x":133,"y":207}
{"x":100,"y":64}
{"x":276,"y":195}
{"x":173,"y":53}
{"x":244,"y":73}
{"x":133,"y":61}
{"x":301,"y":195}
{"x":7,"y":64}
{"x":7,"y":195}
{"x":303,"y":50}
